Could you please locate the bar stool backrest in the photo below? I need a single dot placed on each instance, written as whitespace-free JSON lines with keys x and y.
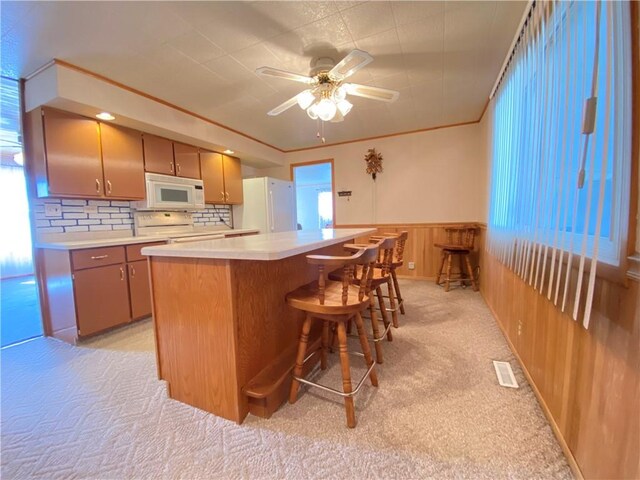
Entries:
{"x":365,"y":258}
{"x":461,"y":236}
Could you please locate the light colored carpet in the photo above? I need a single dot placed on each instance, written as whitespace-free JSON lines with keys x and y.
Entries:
{"x":98,"y":411}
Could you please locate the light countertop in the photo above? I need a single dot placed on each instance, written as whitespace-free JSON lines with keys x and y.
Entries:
{"x":130,"y":239}
{"x":269,"y":246}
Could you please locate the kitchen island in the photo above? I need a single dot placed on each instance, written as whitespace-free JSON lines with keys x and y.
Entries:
{"x":220,"y":317}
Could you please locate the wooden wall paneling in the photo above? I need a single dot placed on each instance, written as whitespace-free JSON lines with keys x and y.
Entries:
{"x":420,"y":246}
{"x":587,"y":381}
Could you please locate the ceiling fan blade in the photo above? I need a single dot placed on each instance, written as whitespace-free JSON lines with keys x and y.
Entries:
{"x":284,"y":106}
{"x":372,"y":93}
{"x":283,"y":74}
{"x":350,"y":64}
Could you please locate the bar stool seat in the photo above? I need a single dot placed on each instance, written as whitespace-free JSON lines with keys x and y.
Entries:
{"x":335,"y":303}
{"x":459,"y":244}
{"x":306,"y":298}
{"x":379,"y":275}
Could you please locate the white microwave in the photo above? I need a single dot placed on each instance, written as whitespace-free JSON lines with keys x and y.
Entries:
{"x":165,"y":192}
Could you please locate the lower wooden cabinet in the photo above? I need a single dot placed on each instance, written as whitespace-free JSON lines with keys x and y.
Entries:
{"x":139,"y":289}
{"x":92,"y":290}
{"x":102,"y":298}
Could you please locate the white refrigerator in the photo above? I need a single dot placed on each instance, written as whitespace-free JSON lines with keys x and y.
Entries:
{"x":269,"y":204}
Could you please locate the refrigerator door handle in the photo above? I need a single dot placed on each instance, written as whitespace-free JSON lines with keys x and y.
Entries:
{"x":271,"y":210}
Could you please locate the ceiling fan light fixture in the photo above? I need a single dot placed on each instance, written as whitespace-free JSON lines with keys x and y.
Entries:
{"x":326,"y":109}
{"x":339,"y":94}
{"x":305,"y":99}
{"x":311,"y":111}
{"x":344,"y":107}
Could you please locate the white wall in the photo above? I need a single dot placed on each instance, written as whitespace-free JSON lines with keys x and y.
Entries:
{"x":433,"y":176}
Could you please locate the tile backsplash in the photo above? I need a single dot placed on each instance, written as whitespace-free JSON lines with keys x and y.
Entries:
{"x":74,"y":215}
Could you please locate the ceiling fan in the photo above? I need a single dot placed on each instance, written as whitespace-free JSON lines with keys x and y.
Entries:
{"x":326,"y":97}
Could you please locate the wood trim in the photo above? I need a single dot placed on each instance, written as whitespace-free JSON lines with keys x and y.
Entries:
{"x":333,"y":180}
{"x":415,"y":225}
{"x":71,"y":66}
{"x":115,"y":83}
{"x":635,"y":122}
{"x":377,"y":137}
{"x":573,"y":464}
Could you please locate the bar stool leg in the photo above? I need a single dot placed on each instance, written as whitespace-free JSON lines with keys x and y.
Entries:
{"x":439,"y":276}
{"x":325,"y":345}
{"x":392,"y":303}
{"x":346,"y":375}
{"x":302,"y":350}
{"x":376,"y":331}
{"x":396,"y":287}
{"x":448,"y":279}
{"x":383,"y":312}
{"x":366,"y":349}
{"x":470,"y":270}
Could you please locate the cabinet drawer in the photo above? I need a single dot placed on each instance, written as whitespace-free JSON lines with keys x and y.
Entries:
{"x":133,"y":251}
{"x":96,"y":257}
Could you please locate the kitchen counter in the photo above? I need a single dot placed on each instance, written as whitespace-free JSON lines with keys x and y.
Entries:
{"x":130,"y":239}
{"x":221,"y":319}
{"x":269,"y":246}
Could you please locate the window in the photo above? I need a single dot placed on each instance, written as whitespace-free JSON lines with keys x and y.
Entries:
{"x":557,"y":192}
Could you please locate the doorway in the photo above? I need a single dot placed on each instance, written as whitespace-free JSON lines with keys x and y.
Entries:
{"x":20,"y":317}
{"x":314,"y":186}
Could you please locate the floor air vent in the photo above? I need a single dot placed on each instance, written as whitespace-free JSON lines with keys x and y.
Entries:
{"x":505,"y":374}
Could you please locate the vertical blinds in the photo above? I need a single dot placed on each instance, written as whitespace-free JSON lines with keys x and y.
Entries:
{"x":561,"y":150}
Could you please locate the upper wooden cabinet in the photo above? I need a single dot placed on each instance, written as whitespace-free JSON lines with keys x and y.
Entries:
{"x":187,"y":162}
{"x":222,"y":178}
{"x":232,"y":179}
{"x":122,"y":162}
{"x":212,"y":177}
{"x":67,"y":158}
{"x":75,"y":156}
{"x":158,"y":154}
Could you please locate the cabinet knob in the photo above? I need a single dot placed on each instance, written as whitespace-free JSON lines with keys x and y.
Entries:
{"x":133,"y":271}
{"x":227,"y":195}
{"x":109,"y":186}
{"x":222,"y":193}
{"x":171,"y":166}
{"x":121,"y":273}
{"x":178,"y":167}
{"x":97,"y":186}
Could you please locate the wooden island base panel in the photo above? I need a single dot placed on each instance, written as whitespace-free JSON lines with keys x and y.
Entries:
{"x":225,"y":338}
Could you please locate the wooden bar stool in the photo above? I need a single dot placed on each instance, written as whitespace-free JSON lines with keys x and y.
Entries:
{"x":337,"y":303}
{"x":459,"y":244}
{"x":398,"y":261}
{"x":381,"y":275}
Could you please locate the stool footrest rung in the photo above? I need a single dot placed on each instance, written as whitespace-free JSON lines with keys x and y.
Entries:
{"x":338,"y":392}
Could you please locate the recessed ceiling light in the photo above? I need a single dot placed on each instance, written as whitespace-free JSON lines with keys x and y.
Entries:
{"x":105,"y":116}
{"x":230,"y":152}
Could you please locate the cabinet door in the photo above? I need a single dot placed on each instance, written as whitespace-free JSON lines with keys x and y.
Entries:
{"x":139,"y":289}
{"x":102,"y":298}
{"x":232,"y":180}
{"x":72,"y":144}
{"x":123,"y":162}
{"x":212,"y":177}
{"x":158,"y":154}
{"x":186,"y":160}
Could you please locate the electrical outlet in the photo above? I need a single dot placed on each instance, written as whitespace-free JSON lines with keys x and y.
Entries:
{"x":412,"y":265}
{"x":90,"y":209}
{"x":52,"y":210}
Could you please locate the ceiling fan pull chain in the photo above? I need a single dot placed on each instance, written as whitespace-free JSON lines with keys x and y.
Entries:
{"x":322,"y":126}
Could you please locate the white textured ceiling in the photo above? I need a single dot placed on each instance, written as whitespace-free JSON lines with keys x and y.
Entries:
{"x":443,"y":57}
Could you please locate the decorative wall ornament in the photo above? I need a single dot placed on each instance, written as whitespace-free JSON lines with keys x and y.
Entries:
{"x":374,"y":162}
